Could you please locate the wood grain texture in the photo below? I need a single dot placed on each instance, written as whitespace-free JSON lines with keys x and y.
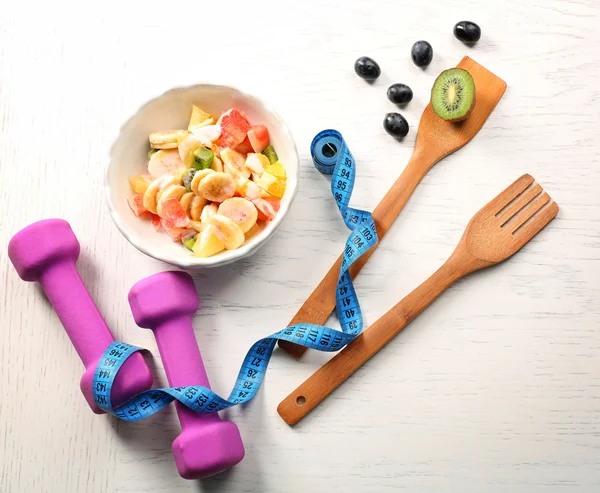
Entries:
{"x":494,"y":388}
{"x":435,"y":140}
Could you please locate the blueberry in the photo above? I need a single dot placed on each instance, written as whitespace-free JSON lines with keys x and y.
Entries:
{"x":399,"y":93}
{"x":395,"y":125}
{"x":467,"y":32}
{"x":367,"y":68}
{"x":422,"y":53}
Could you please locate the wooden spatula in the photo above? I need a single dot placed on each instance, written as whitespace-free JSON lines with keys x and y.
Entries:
{"x":436,"y":139}
{"x":495,"y":233}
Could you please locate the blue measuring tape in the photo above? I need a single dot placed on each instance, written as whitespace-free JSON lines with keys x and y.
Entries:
{"x":331,"y":156}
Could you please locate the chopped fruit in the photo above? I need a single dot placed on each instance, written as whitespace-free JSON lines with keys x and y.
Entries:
{"x":186,"y":149}
{"x":136,"y":202}
{"x":271,"y":184}
{"x":217,"y":164}
{"x":203,"y":158}
{"x":192,"y":205}
{"x":247,"y":188}
{"x":241,"y":211}
{"x":245,"y":147}
{"x":277,"y":170}
{"x":155,"y":190}
{"x":187,"y":179}
{"x":234,"y":163}
{"x":259,"y":138}
{"x":200,"y":118}
{"x":139,"y":184}
{"x":208,"y":211}
{"x":176,"y":234}
{"x":157,"y":223}
{"x":228,"y":230}
{"x":196,"y":226}
{"x":166,"y":139}
{"x":216,"y":187}
{"x":173,"y":214}
{"x":189,"y":242}
{"x":207,"y":135}
{"x":253,"y":231}
{"x":165,"y":162}
{"x":168,"y":193}
{"x":234,"y":128}
{"x":267,"y":208}
{"x":257,"y":163}
{"x":208,"y":242}
{"x":198,"y":177}
{"x":271,"y":154}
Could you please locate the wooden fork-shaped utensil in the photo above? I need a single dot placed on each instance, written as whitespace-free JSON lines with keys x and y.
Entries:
{"x":436,"y":139}
{"x":495,"y":233}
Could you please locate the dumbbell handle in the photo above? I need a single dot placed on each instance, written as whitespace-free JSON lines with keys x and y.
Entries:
{"x":183,"y":364}
{"x":76,"y":310}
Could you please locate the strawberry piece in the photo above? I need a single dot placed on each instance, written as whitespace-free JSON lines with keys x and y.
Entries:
{"x":234,"y":128}
{"x":245,"y":147}
{"x":258,"y":136}
{"x":176,"y":234}
{"x":156,"y":223}
{"x":267,"y":208}
{"x":173,"y":214}
{"x":136,"y":202}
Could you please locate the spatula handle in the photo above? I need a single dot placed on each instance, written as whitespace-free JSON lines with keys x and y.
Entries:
{"x":319,"y":305}
{"x":333,"y":373}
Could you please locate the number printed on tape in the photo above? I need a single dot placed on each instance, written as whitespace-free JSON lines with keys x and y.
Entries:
{"x":330,"y":156}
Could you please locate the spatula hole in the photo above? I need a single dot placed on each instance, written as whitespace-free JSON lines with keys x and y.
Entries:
{"x":300,"y":400}
{"x":499,"y":213}
{"x":329,"y":150}
{"x":536,"y":214}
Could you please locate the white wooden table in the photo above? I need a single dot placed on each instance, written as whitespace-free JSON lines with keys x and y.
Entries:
{"x":495,"y":388}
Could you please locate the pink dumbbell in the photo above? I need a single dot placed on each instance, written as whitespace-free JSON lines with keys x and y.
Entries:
{"x":46,"y":252}
{"x":165,"y":304}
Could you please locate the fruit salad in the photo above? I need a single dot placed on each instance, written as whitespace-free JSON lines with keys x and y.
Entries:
{"x":210,"y":187}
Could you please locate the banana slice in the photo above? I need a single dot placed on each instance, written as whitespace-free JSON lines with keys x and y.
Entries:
{"x":241,"y":211}
{"x":216,"y":186}
{"x":217,"y":164}
{"x":165,"y":162}
{"x":208,"y":211}
{"x":155,"y":189}
{"x":208,"y":242}
{"x":186,"y":150}
{"x":234,"y":163}
{"x":171,"y":192}
{"x":229,"y":232}
{"x":166,"y":139}
{"x":198,"y":177}
{"x":192,"y":205}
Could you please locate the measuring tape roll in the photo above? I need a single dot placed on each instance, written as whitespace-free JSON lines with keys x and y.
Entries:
{"x":331,"y":156}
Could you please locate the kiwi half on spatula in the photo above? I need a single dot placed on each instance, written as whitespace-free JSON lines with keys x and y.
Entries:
{"x":453,"y":95}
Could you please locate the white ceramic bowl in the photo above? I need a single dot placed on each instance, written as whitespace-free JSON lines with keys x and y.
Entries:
{"x":128,"y":156}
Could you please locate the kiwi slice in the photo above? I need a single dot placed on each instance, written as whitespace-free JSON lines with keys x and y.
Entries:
{"x":453,"y":95}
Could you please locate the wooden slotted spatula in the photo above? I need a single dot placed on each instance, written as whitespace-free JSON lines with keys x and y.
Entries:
{"x":495,"y":233}
{"x":436,"y":139}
